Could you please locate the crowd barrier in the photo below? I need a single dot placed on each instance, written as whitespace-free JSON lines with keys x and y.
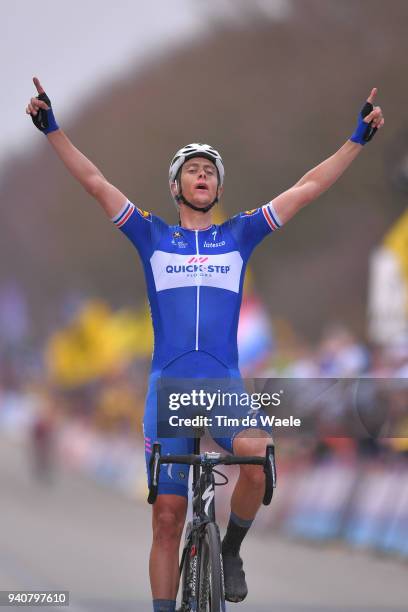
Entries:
{"x":363,"y":503}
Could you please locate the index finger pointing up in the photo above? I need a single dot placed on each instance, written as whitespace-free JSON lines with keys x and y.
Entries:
{"x":372,"y":95}
{"x":38,"y":85}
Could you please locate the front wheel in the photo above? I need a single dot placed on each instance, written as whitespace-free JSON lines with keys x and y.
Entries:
{"x":211,"y":577}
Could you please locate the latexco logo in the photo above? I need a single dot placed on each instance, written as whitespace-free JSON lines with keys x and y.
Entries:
{"x":213,"y":245}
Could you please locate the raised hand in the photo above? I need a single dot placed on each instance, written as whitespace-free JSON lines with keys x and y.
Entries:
{"x":40,"y":110}
{"x":374,"y":116}
{"x":370,"y":120}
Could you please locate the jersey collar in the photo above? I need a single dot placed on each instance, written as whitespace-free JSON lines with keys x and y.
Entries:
{"x":204,"y":229}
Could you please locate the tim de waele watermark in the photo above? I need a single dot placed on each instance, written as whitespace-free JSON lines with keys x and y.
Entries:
{"x":221,"y":401}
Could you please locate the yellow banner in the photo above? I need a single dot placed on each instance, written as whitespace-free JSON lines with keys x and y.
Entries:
{"x":397,"y":241}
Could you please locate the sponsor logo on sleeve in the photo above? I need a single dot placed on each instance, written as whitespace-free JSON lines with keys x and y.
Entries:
{"x":249,"y":213}
{"x":144,"y":214}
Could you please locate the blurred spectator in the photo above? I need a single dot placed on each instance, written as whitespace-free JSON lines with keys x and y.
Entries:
{"x":340,"y":354}
{"x":43,"y":442}
{"x":14,"y":318}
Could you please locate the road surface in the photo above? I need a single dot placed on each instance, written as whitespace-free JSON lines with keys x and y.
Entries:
{"x":79,"y":536}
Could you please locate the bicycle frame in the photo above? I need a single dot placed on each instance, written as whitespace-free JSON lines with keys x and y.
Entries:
{"x":203,"y":501}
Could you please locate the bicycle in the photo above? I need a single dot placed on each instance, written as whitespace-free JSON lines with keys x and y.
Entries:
{"x":201,"y":569}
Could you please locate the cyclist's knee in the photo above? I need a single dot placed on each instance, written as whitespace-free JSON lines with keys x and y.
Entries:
{"x":168,"y":520}
{"x":254,"y":474}
{"x":251,"y":442}
{"x":252,"y":446}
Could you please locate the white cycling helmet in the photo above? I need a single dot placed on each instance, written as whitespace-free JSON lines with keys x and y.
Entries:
{"x":196,"y":149}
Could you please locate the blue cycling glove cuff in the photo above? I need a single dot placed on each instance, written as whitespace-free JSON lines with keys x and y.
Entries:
{"x":44,"y":120}
{"x":364,"y":132}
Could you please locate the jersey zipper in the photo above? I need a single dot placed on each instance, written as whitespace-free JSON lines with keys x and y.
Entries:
{"x":198,"y":298}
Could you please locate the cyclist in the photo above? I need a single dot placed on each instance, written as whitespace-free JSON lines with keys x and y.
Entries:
{"x":194,"y":274}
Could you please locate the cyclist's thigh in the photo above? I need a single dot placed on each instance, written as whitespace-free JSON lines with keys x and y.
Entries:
{"x":173,"y":478}
{"x":255,"y":437}
{"x":237,"y":418}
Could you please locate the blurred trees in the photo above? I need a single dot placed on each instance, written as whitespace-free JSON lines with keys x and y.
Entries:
{"x":276,"y":96}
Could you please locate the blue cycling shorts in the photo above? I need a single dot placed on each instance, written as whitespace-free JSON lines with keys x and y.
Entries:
{"x":195,"y":364}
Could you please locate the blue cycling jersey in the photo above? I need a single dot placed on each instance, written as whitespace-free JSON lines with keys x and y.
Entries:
{"x":194,"y":279}
{"x":194,"y":283}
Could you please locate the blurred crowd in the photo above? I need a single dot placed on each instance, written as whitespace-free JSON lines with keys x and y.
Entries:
{"x":94,"y":365}
{"x":75,"y":401}
{"x":339,"y":353}
{"x":92,"y":371}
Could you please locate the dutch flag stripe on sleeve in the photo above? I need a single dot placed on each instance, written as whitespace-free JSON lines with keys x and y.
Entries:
{"x":124,"y":214}
{"x":271,"y":216}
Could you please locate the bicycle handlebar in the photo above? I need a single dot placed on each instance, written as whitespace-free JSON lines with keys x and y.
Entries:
{"x":268,"y":462}
{"x":198,"y":460}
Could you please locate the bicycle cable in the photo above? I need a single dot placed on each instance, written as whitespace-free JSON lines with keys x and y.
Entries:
{"x":221,"y":484}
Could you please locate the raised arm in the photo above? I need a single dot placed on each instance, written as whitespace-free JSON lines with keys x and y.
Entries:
{"x":319,"y":179}
{"x":81,"y":168}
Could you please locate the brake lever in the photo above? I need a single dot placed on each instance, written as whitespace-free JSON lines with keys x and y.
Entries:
{"x":270,"y":474}
{"x":154,"y":472}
